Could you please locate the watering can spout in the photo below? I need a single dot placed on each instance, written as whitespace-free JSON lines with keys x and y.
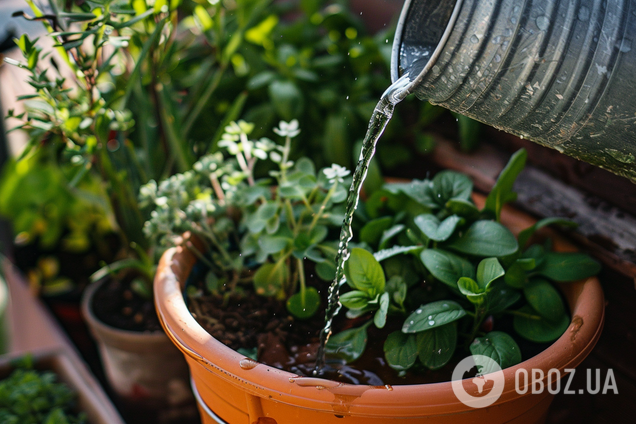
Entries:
{"x":560,"y":73}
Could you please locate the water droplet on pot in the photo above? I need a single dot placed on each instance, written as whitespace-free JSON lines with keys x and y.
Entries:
{"x":247,"y":363}
{"x":389,"y":387}
{"x":496,"y":40}
{"x":584,"y":14}
{"x":542,"y":23}
{"x":507,"y":32}
{"x":513,"y":20}
{"x":497,"y":58}
{"x":626,"y":45}
{"x":474,"y":39}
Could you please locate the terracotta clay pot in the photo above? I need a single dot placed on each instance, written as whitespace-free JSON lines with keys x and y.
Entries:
{"x":233,"y":389}
{"x":145,"y":370}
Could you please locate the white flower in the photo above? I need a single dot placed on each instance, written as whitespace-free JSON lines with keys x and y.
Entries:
{"x":336,"y":173}
{"x":288,"y":129}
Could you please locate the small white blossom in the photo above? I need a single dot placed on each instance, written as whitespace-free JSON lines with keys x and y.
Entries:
{"x":288,"y":129}
{"x":336,"y":173}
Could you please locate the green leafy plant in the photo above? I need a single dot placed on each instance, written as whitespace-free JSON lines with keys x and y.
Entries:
{"x":444,"y":271}
{"x":137,"y":90}
{"x":258,"y":231}
{"x":28,"y":396}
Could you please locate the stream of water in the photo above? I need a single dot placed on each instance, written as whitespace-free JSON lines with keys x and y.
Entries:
{"x":379,"y":120}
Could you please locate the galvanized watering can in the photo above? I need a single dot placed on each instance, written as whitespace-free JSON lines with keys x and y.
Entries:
{"x":561,"y":73}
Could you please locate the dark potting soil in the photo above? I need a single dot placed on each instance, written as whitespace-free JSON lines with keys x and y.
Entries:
{"x":117,"y":305}
{"x":251,"y":321}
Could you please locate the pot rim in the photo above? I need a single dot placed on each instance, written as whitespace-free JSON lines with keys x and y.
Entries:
{"x":585,"y":299}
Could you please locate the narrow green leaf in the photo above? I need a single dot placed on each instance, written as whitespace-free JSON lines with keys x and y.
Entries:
{"x":568,"y":266}
{"x":502,"y":191}
{"x":394,"y":251}
{"x":379,"y":318}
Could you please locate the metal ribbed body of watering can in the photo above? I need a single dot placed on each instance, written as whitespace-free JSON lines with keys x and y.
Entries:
{"x":561,"y":73}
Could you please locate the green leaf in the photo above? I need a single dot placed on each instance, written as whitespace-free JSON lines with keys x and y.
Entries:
{"x":525,"y":235}
{"x":501,"y":297}
{"x":348,"y":344}
{"x":270,"y":278}
{"x":397,"y":288}
{"x":379,"y":318}
{"x":400,"y":350}
{"x":449,"y":185}
{"x":486,"y":238}
{"x":304,"y":304}
{"x":418,"y":190}
{"x":389,"y":234}
{"x":545,"y":299}
{"x":355,"y":299}
{"x":499,"y":347}
{"x":568,"y":266}
{"x":394,"y":251}
{"x":516,"y":276}
{"x":488,"y":271}
{"x":437,"y":346}
{"x":471,"y":289}
{"x":502,"y":192}
{"x":469,"y":132}
{"x":464,"y":208}
{"x":326,"y":270}
{"x":533,"y":327}
{"x":273,"y":244}
{"x":432,"y":315}
{"x":447,"y":267}
{"x":364,"y":272}
{"x":373,"y":230}
{"x":287,"y":99}
{"x":436,"y":230}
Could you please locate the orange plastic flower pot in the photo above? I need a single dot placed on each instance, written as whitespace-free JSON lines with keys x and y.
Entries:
{"x":236,"y":390}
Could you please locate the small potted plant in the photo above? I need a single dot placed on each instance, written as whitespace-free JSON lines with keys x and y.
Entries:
{"x":46,"y":387}
{"x":432,"y":278}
